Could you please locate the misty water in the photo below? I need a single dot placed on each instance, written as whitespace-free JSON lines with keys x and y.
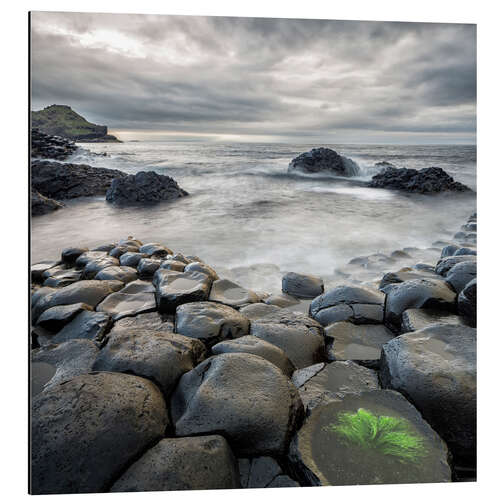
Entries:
{"x":252,"y":221}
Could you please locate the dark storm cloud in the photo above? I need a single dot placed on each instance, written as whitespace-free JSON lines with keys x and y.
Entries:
{"x":266,"y":77}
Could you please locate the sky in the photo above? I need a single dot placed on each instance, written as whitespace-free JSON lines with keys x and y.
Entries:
{"x":259,"y":79}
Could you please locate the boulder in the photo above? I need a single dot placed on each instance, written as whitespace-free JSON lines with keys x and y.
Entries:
{"x":263,"y":472}
{"x":461,"y":274}
{"x":62,"y":278}
{"x":174,"y":265}
{"x":120,"y":273}
{"x":210,"y":322}
{"x":467,"y":303}
{"x":302,"y":286}
{"x":39,"y":268}
{"x":258,"y":310}
{"x":54,"y":318}
{"x":131,"y":259}
{"x":69,"y":255}
{"x":232,"y":294}
{"x":83,"y":259}
{"x":259,"y":347}
{"x":88,"y":325}
{"x":200,"y":267}
{"x":105,"y":247}
{"x":143,"y":188}
{"x":449,"y":250}
{"x":405,"y":275}
{"x":147,"y":267}
{"x":155,"y":250}
{"x":446,"y":263}
{"x":376,"y":437}
{"x":41,"y":205}
{"x":86,"y":430}
{"x":416,"y":319}
{"x":146,"y":322}
{"x":243,"y":396}
{"x":50,"y":146}
{"x":189,"y":463}
{"x":465,"y":251}
{"x":323,"y":160}
{"x":93,"y":267}
{"x":281,"y":300}
{"x":436,"y":368}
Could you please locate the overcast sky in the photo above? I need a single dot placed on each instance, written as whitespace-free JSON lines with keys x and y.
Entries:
{"x":214,"y":78}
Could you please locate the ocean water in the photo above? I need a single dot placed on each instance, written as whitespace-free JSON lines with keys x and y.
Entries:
{"x":252,"y":221}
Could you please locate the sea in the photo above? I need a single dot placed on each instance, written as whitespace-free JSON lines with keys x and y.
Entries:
{"x":252,"y":221}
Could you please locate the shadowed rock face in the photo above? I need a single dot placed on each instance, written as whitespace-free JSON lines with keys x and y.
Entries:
{"x":41,"y":205}
{"x":50,"y":146}
{"x":323,"y":160}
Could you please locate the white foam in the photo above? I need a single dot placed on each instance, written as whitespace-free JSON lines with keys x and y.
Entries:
{"x":358,"y":192}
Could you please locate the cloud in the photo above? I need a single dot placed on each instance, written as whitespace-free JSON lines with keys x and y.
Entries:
{"x":282,"y":78}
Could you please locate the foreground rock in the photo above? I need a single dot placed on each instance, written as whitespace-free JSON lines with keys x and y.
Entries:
{"x":416,"y":319}
{"x":302,"y":286}
{"x":424,"y":181}
{"x":323,"y":160}
{"x":376,"y":437}
{"x":41,"y":205}
{"x":436,"y":368}
{"x":467,"y":303}
{"x":190,"y":463}
{"x":143,"y":187}
{"x":88,"y":325}
{"x":221,"y":393}
{"x":85,"y":431}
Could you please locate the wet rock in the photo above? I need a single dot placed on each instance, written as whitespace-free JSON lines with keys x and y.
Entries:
{"x":63,"y":278}
{"x":283,"y":481}
{"x":221,"y":393}
{"x":174,"y":265}
{"x":50,"y":146}
{"x":301,"y":376}
{"x":131,"y":241}
{"x":190,"y":463}
{"x":465,"y":251}
{"x":263,"y":472}
{"x":39,"y":268}
{"x":105,"y":247}
{"x":302,"y":285}
{"x":88,"y":325}
{"x":449,"y":250}
{"x":200,"y":267}
{"x":54,"y":318}
{"x":86,"y":257}
{"x":41,"y":205}
{"x":258,"y":310}
{"x":323,"y":160}
{"x":253,"y":345}
{"x":445,"y":264}
{"x":416,"y":319}
{"x":119,"y":273}
{"x":118,"y":251}
{"x":174,"y":289}
{"x":69,"y":255}
{"x":155,"y":250}
{"x":400,"y":254}
{"x":324,"y":452}
{"x":281,"y":300}
{"x":232,"y":294}
{"x":356,"y":304}
{"x":38,"y":293}
{"x":93,"y":267}
{"x":210,"y":322}
{"x":85,"y":431}
{"x":143,"y":188}
{"x":157,"y":356}
{"x":436,"y":368}
{"x":401,"y":276}
{"x":461,"y":274}
{"x":467,"y":303}
{"x":147,"y":267}
{"x":147,"y":322}
{"x":131,"y":259}
{"x":300,"y":337}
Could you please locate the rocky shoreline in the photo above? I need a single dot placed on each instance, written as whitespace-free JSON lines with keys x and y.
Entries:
{"x":152,"y":372}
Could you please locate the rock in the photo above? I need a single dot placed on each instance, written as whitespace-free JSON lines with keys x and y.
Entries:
{"x":63,"y":181}
{"x":69,"y":359}
{"x":424,"y":181}
{"x":172,"y":290}
{"x":323,"y":160}
{"x":131,"y":259}
{"x":356,"y":304}
{"x":302,"y":285}
{"x":401,"y":276}
{"x":417,"y":294}
{"x":85,"y":431}
{"x":88,"y":325}
{"x":39,"y":268}
{"x":436,"y":368}
{"x":465,"y":251}
{"x":449,"y":250}
{"x":147,"y":267}
{"x":262,"y":472}
{"x":259,"y":347}
{"x":93,"y":267}
{"x":69,"y":255}
{"x":119,"y":273}
{"x":337,"y":444}
{"x":283,"y":481}
{"x":281,"y":300}
{"x":445,"y":264}
{"x":157,"y":356}
{"x":87,"y":257}
{"x":467,"y":303}
{"x":131,"y":241}
{"x":461,"y":274}
{"x":63,"y":278}
{"x":416,"y":319}
{"x":334,"y":381}
{"x":200,"y":267}
{"x":143,"y":187}
{"x":106,"y":247}
{"x":54,"y":318}
{"x":174,"y":265}
{"x":301,"y":376}
{"x":400,"y":254}
{"x":155,"y":250}
{"x":356,"y":342}
{"x":135,"y":298}
{"x":44,"y":145}
{"x":300,"y":337}
{"x":190,"y":463}
{"x":221,"y":394}
{"x":232,"y":294}
{"x":41,"y":205}
{"x":146,"y":322}
{"x":258,"y":310}
{"x":210,"y":322}
{"x":118,"y":251}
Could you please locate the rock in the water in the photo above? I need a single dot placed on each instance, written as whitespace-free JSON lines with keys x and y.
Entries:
{"x":449,"y":250}
{"x":93,"y":267}
{"x":376,"y":437}
{"x":467,"y":303}
{"x":348,"y":303}
{"x":39,"y":268}
{"x":131,"y":259}
{"x":69,"y":255}
{"x":85,"y":431}
{"x":232,"y":294}
{"x":41,"y":205}
{"x":401,"y":276}
{"x":155,"y":250}
{"x":302,"y":286}
{"x":190,"y":463}
{"x":83,"y":259}
{"x":62,"y":278}
{"x":210,"y":322}
{"x":147,"y":267}
{"x":461,"y":274}
{"x":300,"y":337}
{"x":281,"y":300}
{"x":88,"y":325}
{"x":174,"y":265}
{"x":50,"y":146}
{"x":143,"y":187}
{"x":54,"y":318}
{"x":158,"y":356}
{"x":436,"y":368}
{"x":120,"y":273}
{"x":417,"y":294}
{"x":323,"y":160}
{"x":424,"y":181}
{"x":200,"y":267}
{"x":242,"y":395}
{"x":416,"y":319}
{"x":259,"y":347}
{"x":446,"y":263}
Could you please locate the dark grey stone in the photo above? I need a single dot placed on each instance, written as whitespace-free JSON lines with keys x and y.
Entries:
{"x":416,"y":319}
{"x":147,"y":267}
{"x":200,"y":267}
{"x":120,"y":273}
{"x":93,"y":267}
{"x":324,"y":160}
{"x":131,"y":259}
{"x":258,"y":310}
{"x":39,"y":268}
{"x":69,"y":255}
{"x":232,"y":294}
{"x":155,"y":250}
{"x":467,"y":303}
{"x":88,"y":325}
{"x":302,"y":286}
{"x":445,"y":264}
{"x":461,"y":274}
{"x":54,"y":318}
{"x":62,"y":278}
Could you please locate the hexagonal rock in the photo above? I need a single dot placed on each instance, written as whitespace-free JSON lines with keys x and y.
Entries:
{"x":54,"y":318}
{"x":93,"y":267}
{"x":258,"y":310}
{"x":120,"y":273}
{"x":85,"y":431}
{"x":210,"y":322}
{"x":155,"y":250}
{"x":416,"y":319}
{"x":243,"y":396}
{"x":302,"y":286}
{"x":467,"y":303}
{"x":147,"y":267}
{"x":200,"y":267}
{"x":87,"y":257}
{"x":131,"y":259}
{"x":461,"y":274}
{"x":88,"y":325}
{"x":417,"y":294}
{"x":69,"y":255}
{"x":300,"y":337}
{"x":445,"y":264}
{"x":174,"y":265}
{"x":135,"y":298}
{"x":263,"y":472}
{"x":259,"y":347}
{"x":190,"y":463}
{"x":158,"y":356}
{"x":334,"y":381}
{"x":62,"y":278}
{"x":230,"y":293}
{"x":146,"y":322}
{"x":356,"y":304}
{"x":119,"y":250}
{"x":172,"y":290}
{"x":401,"y":276}
{"x":356,"y":342}
{"x":436,"y":368}
{"x":336,"y":445}
{"x":39,"y":268}
{"x":69,"y":359}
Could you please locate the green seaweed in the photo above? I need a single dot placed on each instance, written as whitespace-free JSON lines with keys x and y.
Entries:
{"x":387,"y":435}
